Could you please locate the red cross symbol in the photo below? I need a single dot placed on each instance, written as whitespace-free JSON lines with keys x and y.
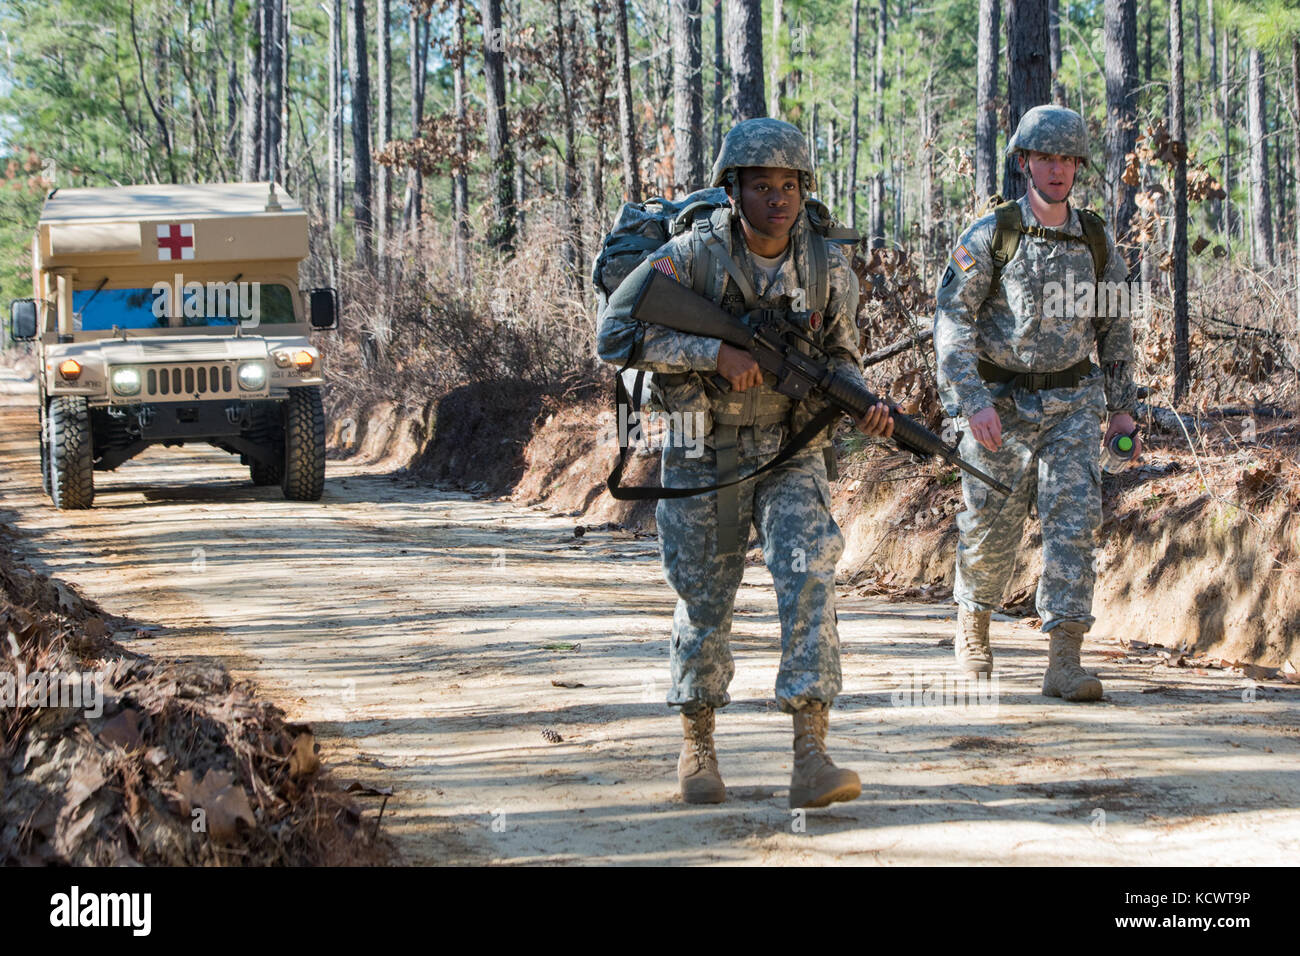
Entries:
{"x":176,"y":241}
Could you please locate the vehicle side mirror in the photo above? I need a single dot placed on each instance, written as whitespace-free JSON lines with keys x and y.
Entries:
{"x":22,"y":320}
{"x":324,"y":309}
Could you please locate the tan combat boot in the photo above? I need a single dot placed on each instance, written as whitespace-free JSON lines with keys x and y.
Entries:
{"x":1065,"y":676}
{"x":816,"y":781}
{"x":697,"y":767}
{"x":971,"y":644}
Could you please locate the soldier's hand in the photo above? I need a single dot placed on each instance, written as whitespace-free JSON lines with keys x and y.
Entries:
{"x":738,"y":367}
{"x":986,"y":428}
{"x":877,"y":422}
{"x":1122,"y":423}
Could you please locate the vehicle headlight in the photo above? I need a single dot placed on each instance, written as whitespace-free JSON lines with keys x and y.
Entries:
{"x":252,"y":376}
{"x":126,"y":381}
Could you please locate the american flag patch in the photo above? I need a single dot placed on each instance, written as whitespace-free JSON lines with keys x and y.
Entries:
{"x":962,"y":257}
{"x":665,"y":265}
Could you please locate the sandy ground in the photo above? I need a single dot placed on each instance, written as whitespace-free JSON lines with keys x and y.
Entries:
{"x":423,"y":633}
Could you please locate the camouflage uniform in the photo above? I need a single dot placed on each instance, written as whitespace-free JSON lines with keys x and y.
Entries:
{"x":789,"y":506}
{"x":1050,"y":438}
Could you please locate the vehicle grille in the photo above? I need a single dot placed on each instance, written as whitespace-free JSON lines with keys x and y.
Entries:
{"x":188,"y":380}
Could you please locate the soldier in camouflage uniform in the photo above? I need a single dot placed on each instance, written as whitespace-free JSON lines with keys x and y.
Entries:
{"x":765,"y":235}
{"x":1036,"y":432}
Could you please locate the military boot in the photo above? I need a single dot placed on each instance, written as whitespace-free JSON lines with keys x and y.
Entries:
{"x":697,"y":767}
{"x":816,"y":781}
{"x":971,"y":644}
{"x":1065,"y":676}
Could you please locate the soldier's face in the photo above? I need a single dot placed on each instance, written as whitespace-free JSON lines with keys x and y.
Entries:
{"x":1052,"y":173}
{"x":770,"y":199}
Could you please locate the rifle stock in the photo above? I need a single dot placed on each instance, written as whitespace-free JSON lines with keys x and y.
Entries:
{"x":663,"y":301}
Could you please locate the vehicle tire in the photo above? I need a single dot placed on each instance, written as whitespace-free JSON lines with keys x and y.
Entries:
{"x":266,"y":474}
{"x":71,"y":472}
{"x":304,"y":445}
{"x":267,"y":431}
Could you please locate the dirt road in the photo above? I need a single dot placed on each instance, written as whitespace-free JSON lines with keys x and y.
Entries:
{"x":506,"y":678}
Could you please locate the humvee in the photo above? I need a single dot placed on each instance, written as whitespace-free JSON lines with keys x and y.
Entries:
{"x":171,"y":314}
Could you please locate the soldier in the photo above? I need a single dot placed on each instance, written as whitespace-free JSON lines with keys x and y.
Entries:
{"x":1013,"y":356}
{"x":758,"y":251}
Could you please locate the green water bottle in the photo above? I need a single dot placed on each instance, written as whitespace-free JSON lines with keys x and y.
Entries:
{"x":1118,"y":452}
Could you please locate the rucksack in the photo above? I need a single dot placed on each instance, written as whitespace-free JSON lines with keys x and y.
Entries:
{"x":643,"y":227}
{"x":1009,"y":229}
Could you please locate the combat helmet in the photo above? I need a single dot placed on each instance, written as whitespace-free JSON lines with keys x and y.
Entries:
{"x":1053,"y":130}
{"x":763,"y":142}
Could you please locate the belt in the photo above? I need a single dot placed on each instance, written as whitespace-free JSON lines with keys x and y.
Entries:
{"x":1036,"y":381}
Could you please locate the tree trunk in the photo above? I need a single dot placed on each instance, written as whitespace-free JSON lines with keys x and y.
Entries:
{"x":1121,"y":111}
{"x":779,"y":67}
{"x":272,"y":78}
{"x":986,"y":115}
{"x":359,"y":74}
{"x":1196,"y":26}
{"x":744,"y":38}
{"x":688,"y":96}
{"x":250,"y":153}
{"x":1260,"y":212}
{"x":384,"y":186}
{"x":501,"y":233}
{"x":1216,"y":205}
{"x":1226,"y":98}
{"x":232,"y":88}
{"x":832,"y":173}
{"x":927,"y":124}
{"x":1295,"y":166}
{"x":336,"y":107}
{"x":719,"y":73}
{"x":331,"y":133}
{"x":597,"y":167}
{"x":285,"y":49}
{"x":413,"y":202}
{"x":881,"y":79}
{"x":1029,"y":75}
{"x":1178,"y":133}
{"x":1054,"y":35}
{"x":514,"y":83}
{"x":626,"y":124}
{"x":572,"y":253}
{"x":460,"y":180}
{"x":1146,"y":64}
{"x":854,"y":34}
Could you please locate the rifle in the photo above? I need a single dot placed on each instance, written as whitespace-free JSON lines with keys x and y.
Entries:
{"x":770,"y":336}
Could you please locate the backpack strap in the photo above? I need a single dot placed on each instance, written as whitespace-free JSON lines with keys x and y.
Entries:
{"x":1094,"y":234}
{"x":1006,"y":240}
{"x":821,"y":273}
{"x":718,"y":253}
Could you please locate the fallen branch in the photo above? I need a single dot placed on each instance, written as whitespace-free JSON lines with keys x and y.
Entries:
{"x":1167,"y":419}
{"x":898,"y":348}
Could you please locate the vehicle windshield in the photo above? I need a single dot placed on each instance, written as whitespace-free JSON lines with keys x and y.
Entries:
{"x":199,"y":304}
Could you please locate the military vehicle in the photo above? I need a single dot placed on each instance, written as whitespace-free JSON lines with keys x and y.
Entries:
{"x":171,"y":315}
